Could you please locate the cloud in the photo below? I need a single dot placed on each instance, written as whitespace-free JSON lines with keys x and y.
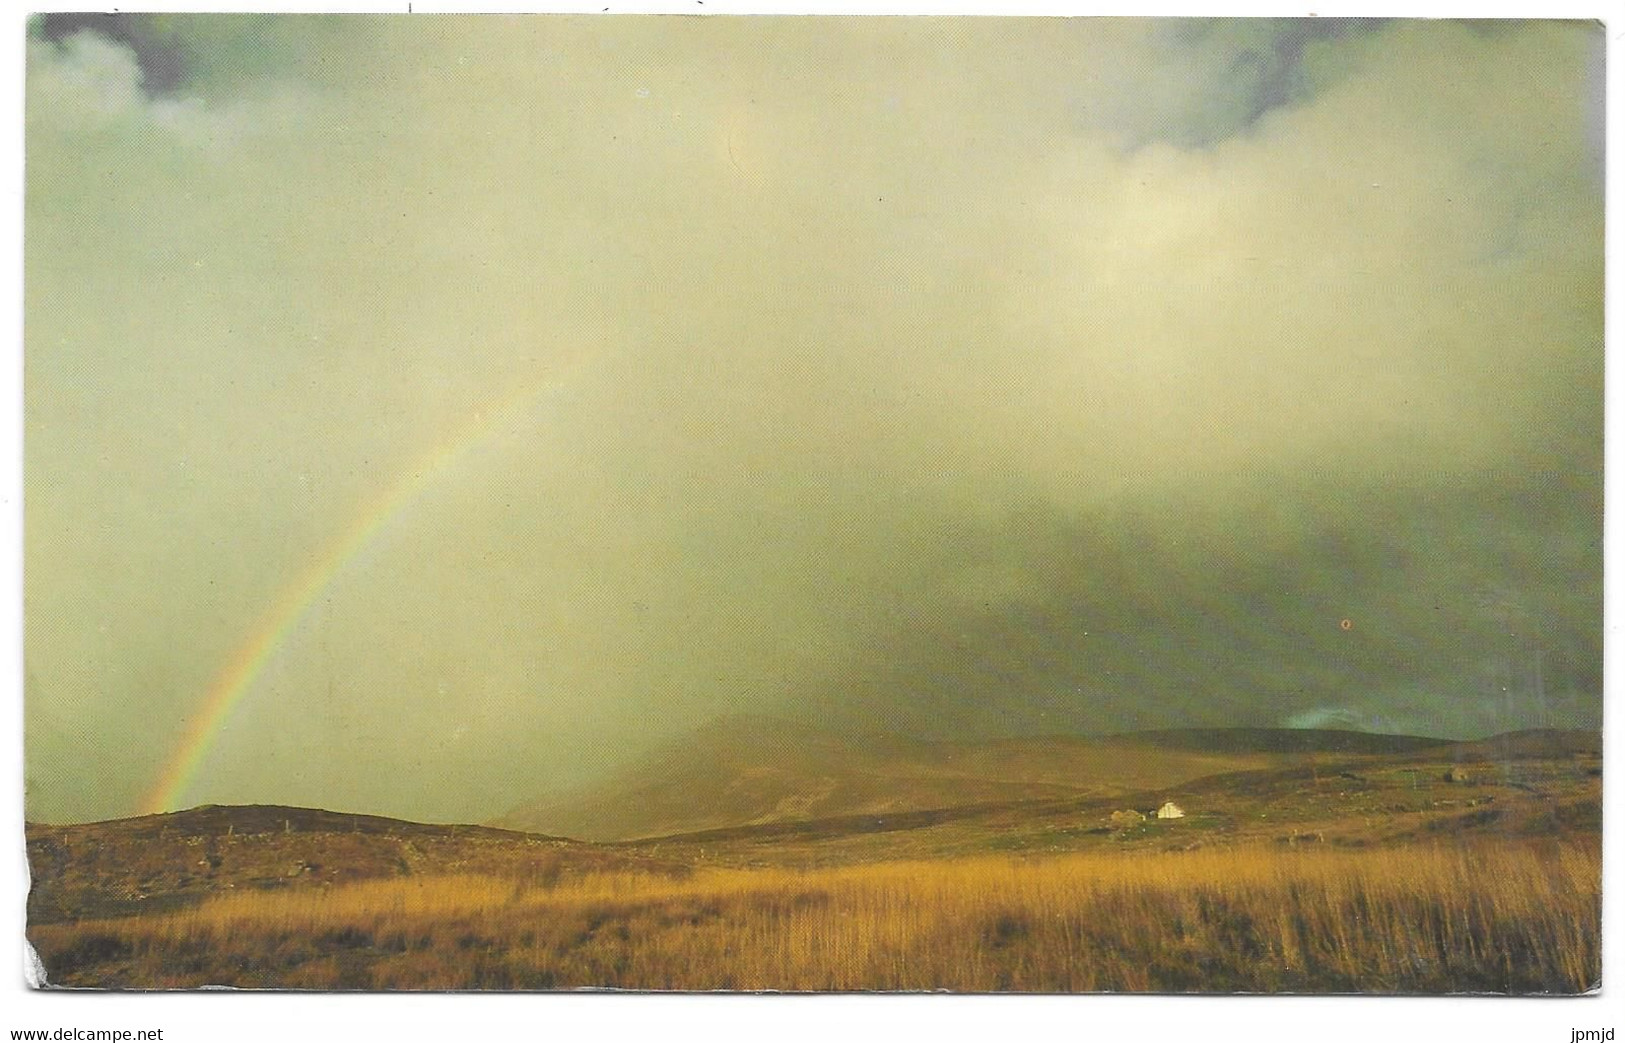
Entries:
{"x":1193,"y":83}
{"x":1327,"y":717}
{"x":161,"y":67}
{"x":86,"y":75}
{"x":963,"y":376}
{"x":214,"y":55}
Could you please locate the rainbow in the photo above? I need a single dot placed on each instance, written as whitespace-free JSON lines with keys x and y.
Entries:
{"x":236,"y":678}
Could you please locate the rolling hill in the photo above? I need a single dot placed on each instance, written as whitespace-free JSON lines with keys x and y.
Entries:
{"x":1304,"y":866}
{"x":750,"y":770}
{"x":158,"y":862}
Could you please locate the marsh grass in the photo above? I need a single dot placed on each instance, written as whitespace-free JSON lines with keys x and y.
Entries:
{"x":1493,"y":918}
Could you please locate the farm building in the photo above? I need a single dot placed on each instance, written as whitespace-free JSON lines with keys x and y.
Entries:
{"x":1170,"y":810}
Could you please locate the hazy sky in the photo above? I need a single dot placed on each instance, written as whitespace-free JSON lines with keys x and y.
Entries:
{"x":957,"y":376}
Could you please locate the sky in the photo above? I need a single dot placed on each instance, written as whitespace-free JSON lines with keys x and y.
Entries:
{"x":422,"y":414}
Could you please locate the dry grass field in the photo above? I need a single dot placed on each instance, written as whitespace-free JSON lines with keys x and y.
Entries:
{"x":1478,"y":916}
{"x":1420,"y":868}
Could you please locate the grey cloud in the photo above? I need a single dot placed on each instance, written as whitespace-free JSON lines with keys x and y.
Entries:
{"x":1454,"y":607}
{"x":1196,"y":82}
{"x":162,"y":62}
{"x":855,"y":377}
{"x":218,"y":56}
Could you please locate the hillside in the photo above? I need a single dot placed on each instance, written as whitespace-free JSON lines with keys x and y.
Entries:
{"x":1461,"y":866}
{"x":747,"y":771}
{"x":752,"y":791}
{"x":1541,"y":785}
{"x":1280,"y":740}
{"x":158,"y":862}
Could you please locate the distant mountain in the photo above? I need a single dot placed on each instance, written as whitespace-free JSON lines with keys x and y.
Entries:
{"x":1280,"y":740}
{"x":753,"y":770}
{"x":1535,"y":742}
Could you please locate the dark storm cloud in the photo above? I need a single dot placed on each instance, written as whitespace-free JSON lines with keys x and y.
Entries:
{"x":1457,"y":607}
{"x":1213,"y":79}
{"x":219,"y":56}
{"x":1266,"y":69}
{"x":862,"y":369}
{"x":162,"y":61}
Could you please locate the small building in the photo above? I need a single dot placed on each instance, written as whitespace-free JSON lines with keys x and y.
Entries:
{"x":1170,"y":810}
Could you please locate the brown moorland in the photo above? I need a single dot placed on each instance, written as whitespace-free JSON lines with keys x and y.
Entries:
{"x":1435,"y":868}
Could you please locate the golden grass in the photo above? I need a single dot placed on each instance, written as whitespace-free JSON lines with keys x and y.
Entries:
{"x":1516,"y":918}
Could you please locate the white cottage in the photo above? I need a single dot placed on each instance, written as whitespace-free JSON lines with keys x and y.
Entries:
{"x":1170,"y":810}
